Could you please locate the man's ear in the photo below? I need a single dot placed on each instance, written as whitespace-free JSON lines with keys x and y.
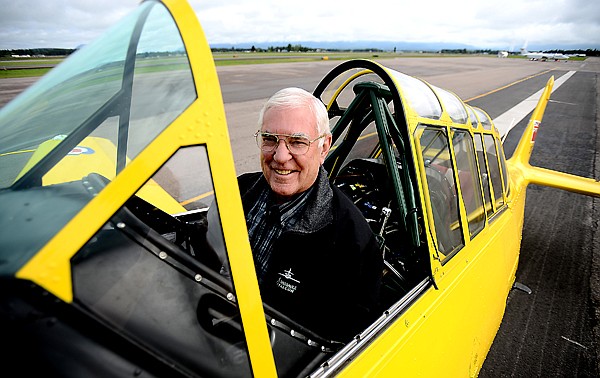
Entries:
{"x":326,"y":147}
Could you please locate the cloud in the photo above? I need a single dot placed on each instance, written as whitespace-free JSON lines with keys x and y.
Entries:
{"x":480,"y":23}
{"x":57,"y":23}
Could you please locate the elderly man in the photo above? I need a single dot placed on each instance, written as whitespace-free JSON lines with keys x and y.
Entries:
{"x":316,"y":257}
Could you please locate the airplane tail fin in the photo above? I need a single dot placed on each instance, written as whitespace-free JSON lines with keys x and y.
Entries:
{"x":525,"y":147}
{"x":524,"y":49}
{"x":543,"y":176}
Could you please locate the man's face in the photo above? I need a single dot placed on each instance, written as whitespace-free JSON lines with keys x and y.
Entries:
{"x":287,"y":174}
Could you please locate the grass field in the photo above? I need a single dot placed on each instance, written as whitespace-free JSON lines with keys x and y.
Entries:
{"x":9,"y":68}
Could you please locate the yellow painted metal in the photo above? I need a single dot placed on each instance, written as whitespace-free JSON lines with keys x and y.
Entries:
{"x":448,"y":331}
{"x":413,"y":120}
{"x":424,"y":190}
{"x":42,"y":150}
{"x":212,"y":125}
{"x":74,"y":167}
{"x":525,"y":147}
{"x":50,"y":268}
{"x":467,"y":308}
{"x":102,"y":160}
{"x":344,"y":85}
{"x":565,"y":181}
{"x":542,"y":176}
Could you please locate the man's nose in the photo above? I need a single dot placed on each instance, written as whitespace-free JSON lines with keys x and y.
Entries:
{"x":281,"y":153}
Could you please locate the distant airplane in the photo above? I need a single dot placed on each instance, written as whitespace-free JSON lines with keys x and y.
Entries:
{"x":543,"y":56}
{"x":502,"y":54}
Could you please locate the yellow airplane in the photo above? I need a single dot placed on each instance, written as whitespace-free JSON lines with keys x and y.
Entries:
{"x":123,"y":243}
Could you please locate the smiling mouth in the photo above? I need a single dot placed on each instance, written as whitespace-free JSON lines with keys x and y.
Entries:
{"x":283,"y":171}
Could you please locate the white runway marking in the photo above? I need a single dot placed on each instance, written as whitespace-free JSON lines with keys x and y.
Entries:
{"x":506,"y":121}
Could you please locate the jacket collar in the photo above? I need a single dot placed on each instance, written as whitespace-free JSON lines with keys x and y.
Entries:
{"x":319,"y":209}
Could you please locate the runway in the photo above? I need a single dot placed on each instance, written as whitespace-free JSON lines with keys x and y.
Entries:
{"x":554,"y":331}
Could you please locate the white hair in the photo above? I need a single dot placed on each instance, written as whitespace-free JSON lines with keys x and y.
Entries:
{"x":292,"y":98}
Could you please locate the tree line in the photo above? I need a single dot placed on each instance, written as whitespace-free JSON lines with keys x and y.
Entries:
{"x":36,"y":52}
{"x":289,"y":48}
{"x":587,"y":52}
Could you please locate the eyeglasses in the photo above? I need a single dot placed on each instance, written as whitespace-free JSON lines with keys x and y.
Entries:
{"x":296,"y":144}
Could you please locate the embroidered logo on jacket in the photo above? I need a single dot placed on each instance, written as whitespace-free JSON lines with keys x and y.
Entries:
{"x":285,"y":284}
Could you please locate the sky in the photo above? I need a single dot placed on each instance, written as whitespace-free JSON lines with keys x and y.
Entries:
{"x":488,"y":24}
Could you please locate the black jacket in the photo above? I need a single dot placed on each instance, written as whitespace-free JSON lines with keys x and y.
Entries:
{"x":325,"y":272}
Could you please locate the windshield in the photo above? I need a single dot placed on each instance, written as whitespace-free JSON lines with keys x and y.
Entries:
{"x":100,"y":91}
{"x":91,"y":115}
